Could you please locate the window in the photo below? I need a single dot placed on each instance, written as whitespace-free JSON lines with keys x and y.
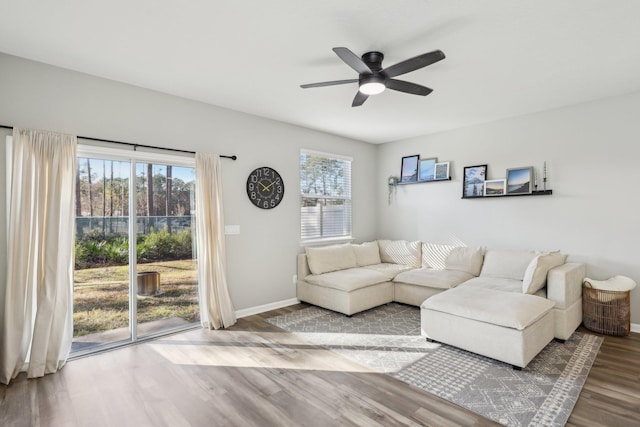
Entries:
{"x":325,"y":196}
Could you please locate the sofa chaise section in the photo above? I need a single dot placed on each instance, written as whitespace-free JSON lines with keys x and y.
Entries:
{"x":506,"y":326}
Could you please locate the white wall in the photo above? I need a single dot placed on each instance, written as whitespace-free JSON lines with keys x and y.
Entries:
{"x":262,"y":259}
{"x":592,"y":153}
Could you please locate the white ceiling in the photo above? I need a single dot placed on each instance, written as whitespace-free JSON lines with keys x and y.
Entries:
{"x":504,"y":57}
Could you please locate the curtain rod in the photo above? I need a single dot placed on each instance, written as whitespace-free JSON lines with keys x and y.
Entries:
{"x":234,"y":157}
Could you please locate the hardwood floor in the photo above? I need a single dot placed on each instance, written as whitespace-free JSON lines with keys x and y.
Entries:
{"x":254,"y":374}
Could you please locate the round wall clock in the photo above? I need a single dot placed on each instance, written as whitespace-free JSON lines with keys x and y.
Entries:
{"x":265,"y":187}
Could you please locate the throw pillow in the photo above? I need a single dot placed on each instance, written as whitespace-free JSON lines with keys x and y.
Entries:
{"x":367,"y":253}
{"x":434,"y":255}
{"x":535,"y":276}
{"x":510,"y":264}
{"x":401,"y":252}
{"x":330,"y":258}
{"x":468,"y":260}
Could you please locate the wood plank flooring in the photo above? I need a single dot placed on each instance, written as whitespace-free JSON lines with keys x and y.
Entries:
{"x":255,"y":374}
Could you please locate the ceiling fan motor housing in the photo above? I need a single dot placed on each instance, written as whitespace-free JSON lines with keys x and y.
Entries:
{"x":373,"y":60}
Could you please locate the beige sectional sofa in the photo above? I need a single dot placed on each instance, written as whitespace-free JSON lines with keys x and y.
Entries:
{"x":525,"y":298}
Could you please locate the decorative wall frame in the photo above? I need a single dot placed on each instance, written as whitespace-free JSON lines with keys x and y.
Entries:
{"x":409,"y":170}
{"x":494,"y":187}
{"x":520,"y":180}
{"x":473,"y":181}
{"x":441,"y":171}
{"x":427,"y":169}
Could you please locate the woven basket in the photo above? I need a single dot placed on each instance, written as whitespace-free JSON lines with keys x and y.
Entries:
{"x":606,"y":312}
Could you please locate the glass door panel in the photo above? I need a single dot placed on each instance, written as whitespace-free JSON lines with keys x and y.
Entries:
{"x":167,"y":282}
{"x":101,"y":276}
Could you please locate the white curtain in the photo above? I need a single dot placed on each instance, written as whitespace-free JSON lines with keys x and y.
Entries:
{"x":216,"y":309}
{"x":37,"y":329}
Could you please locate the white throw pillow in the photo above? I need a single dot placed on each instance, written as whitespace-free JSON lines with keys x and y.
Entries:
{"x":510,"y":264}
{"x":330,"y":258}
{"x":535,"y":276}
{"x":401,"y":252}
{"x":367,"y":253}
{"x":434,"y":255}
{"x":468,"y":260}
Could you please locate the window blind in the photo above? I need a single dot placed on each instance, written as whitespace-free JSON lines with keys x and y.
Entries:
{"x":325,"y":196}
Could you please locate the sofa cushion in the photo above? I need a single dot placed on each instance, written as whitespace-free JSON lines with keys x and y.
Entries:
{"x":440,"y":279}
{"x":434,"y":255}
{"x":389,"y":270}
{"x":495,"y":283}
{"x":367,"y":253}
{"x":330,"y":258}
{"x":347,"y":280}
{"x":510,"y":264}
{"x":508,"y":309}
{"x":401,"y":252}
{"x":468,"y":260}
{"x":535,"y":276}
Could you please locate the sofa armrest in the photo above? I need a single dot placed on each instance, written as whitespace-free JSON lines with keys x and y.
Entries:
{"x":564,"y":284}
{"x":303,"y":267}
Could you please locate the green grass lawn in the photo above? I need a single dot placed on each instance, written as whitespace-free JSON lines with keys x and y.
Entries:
{"x":101,"y":296}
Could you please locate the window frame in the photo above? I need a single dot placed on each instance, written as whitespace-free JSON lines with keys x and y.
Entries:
{"x":318,"y":241}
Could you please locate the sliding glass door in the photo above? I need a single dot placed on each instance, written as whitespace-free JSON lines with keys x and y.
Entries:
{"x":135,"y":268}
{"x":101,"y":279}
{"x":167,"y":277}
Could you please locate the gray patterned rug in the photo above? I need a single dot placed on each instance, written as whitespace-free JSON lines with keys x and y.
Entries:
{"x":387,"y":339}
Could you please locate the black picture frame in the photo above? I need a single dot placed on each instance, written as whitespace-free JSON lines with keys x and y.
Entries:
{"x":409,"y":169}
{"x":473,"y":180}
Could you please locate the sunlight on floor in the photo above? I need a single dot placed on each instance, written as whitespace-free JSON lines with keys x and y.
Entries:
{"x":285,"y":351}
{"x":251,"y":350}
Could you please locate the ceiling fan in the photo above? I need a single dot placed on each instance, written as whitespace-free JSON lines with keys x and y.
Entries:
{"x":373,"y":79}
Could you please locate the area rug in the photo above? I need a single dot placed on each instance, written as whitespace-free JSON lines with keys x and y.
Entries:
{"x":387,"y":339}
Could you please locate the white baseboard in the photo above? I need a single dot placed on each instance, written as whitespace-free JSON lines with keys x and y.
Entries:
{"x":266,"y":307}
{"x":635,"y":327}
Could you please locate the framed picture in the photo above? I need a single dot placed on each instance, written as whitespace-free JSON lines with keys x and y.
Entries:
{"x":494,"y":187}
{"x":427,"y":169}
{"x":442,"y":171}
{"x":520,"y":180}
{"x":473,"y":181}
{"x":409,"y":171}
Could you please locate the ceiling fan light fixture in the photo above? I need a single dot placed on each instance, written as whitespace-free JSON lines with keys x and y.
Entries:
{"x":372,"y":85}
{"x":372,"y":88}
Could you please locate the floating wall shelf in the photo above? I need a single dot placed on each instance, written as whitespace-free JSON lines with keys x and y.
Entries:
{"x":423,"y":182}
{"x":535,"y":193}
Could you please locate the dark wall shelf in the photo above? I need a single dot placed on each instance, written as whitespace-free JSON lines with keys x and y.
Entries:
{"x":535,"y":193}
{"x":424,"y":182}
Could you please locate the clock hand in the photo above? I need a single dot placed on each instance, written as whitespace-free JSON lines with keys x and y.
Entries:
{"x":269,"y":186}
{"x":263,"y":187}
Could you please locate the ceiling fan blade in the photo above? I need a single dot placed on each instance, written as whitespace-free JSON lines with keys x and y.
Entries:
{"x":414,"y":63}
{"x":359,"y":99}
{"x":408,"y":87}
{"x":333,"y":83}
{"x":352,"y":60}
